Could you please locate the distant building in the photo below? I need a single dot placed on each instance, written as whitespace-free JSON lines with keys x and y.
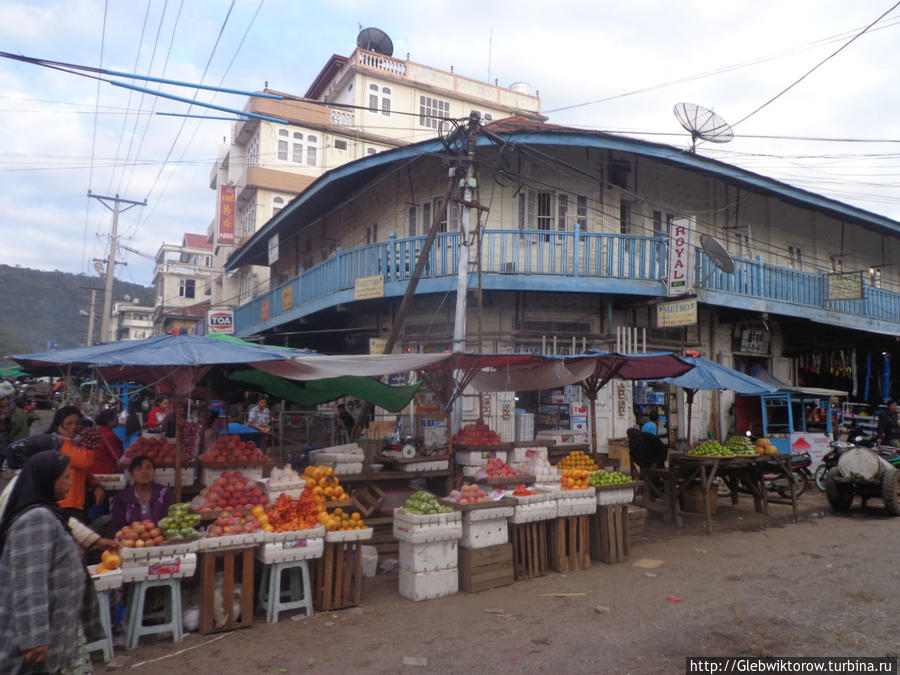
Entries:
{"x":180,"y":279}
{"x":132,"y":321}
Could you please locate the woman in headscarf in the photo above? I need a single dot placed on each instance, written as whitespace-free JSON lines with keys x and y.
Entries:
{"x":49,"y":604}
{"x":66,"y":424}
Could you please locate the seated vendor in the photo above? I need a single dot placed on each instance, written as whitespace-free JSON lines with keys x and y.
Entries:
{"x":145,"y":499}
{"x":646,"y":449}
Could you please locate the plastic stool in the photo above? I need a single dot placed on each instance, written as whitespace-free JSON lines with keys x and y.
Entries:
{"x":171,"y":613}
{"x":104,"y":643}
{"x":298,"y":589}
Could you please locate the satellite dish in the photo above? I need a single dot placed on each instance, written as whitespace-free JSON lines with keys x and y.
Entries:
{"x":126,"y":297}
{"x":717,"y":253}
{"x":375,"y":40}
{"x":702,"y":123}
{"x":99,"y":269}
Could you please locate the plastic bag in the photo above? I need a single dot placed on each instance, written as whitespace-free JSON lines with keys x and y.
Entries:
{"x":19,"y":452}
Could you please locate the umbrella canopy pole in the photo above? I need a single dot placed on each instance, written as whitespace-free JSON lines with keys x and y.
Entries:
{"x":592,"y":398}
{"x":690,"y":401}
{"x":178,"y":450}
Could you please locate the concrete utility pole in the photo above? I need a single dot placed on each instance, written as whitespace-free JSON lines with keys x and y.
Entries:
{"x":90,"y":335}
{"x":111,"y":259}
{"x":467,"y":183}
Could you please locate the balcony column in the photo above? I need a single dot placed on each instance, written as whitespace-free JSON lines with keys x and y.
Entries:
{"x":339,"y":266}
{"x":393,"y":260}
{"x":759,"y":276}
{"x":576,"y":251}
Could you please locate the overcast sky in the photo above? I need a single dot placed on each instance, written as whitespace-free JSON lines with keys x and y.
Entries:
{"x":572,"y":52}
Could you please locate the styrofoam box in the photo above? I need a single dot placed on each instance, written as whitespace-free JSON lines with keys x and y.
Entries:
{"x":435,"y":555}
{"x":417,"y":586}
{"x":286,"y":551}
{"x":167,"y":476}
{"x":345,"y":468}
{"x":107,"y":581}
{"x":111,"y":481}
{"x":522,"y":454}
{"x":349,"y":535}
{"x":621,"y":496}
{"x":485,"y":533}
{"x":575,"y":507}
{"x":293,"y":493}
{"x":534,"y":511}
{"x":416,"y":529}
{"x":472,"y":471}
{"x":176,"y":567}
{"x":588,"y":492}
{"x":231,"y":541}
{"x":208,"y":475}
{"x":317,"y":532}
{"x":147,"y":554}
{"x":369,"y":561}
{"x":539,"y":496}
{"x":478,"y":515}
{"x":435,"y":465}
{"x":478,"y":457}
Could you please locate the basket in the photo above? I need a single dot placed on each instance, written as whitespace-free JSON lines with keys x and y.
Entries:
{"x":692,"y":499}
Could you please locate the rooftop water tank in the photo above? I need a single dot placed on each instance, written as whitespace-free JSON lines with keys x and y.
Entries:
{"x":521,"y":88}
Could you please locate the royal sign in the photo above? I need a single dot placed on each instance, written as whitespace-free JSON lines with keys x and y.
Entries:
{"x":220,"y":321}
{"x":680,"y":255}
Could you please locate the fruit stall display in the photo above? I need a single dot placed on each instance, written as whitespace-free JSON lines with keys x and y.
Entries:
{"x":325,"y":484}
{"x":740,"y":445}
{"x":613,"y":487}
{"x":234,"y":529}
{"x":90,"y":438}
{"x":477,"y":435}
{"x":470,"y":497}
{"x":498,"y":472}
{"x":160,"y":450}
{"x":737,"y":446}
{"x":140,"y":534}
{"x":287,"y":514}
{"x":424,"y":503}
{"x":109,"y":561}
{"x":764,"y":446}
{"x":180,"y":523}
{"x":428,"y":532}
{"x":575,"y":479}
{"x":230,"y":449}
{"x":577,"y":459}
{"x":283,"y":481}
{"x":189,"y":435}
{"x":231,"y":490}
{"x":602,"y":478}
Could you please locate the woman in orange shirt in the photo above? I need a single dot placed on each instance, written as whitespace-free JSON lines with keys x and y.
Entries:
{"x":67,"y":424}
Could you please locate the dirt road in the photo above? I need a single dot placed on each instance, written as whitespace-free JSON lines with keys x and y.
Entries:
{"x":823,"y":586}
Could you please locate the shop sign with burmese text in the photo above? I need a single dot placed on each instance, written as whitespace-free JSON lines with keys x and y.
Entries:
{"x":844,"y":286}
{"x":369,"y":287}
{"x":678,"y":313}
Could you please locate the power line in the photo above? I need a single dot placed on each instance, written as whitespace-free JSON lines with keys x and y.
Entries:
{"x":93,"y":144}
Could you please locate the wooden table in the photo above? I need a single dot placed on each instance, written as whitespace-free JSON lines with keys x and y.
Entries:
{"x":741,"y":474}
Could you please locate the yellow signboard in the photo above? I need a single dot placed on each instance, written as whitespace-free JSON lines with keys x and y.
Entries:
{"x":369,"y":287}
{"x":377,"y":345}
{"x":678,"y":313}
{"x":287,"y":297}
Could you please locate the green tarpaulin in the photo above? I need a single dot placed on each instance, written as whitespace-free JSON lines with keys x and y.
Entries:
{"x":12,"y":372}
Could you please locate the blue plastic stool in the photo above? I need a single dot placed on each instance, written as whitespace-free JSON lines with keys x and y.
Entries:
{"x":104,"y":643}
{"x":298,"y":591}
{"x":171,"y":613}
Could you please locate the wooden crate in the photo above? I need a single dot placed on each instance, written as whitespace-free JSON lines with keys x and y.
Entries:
{"x":367,"y":499}
{"x":569,"y":543}
{"x":610,"y":540}
{"x":620,"y":449}
{"x":530,"y":555}
{"x":338,"y":576}
{"x":692,"y":499}
{"x":637,"y":516}
{"x":236,"y":565}
{"x":481,"y":569}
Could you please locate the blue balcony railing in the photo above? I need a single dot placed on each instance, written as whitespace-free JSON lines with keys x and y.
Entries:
{"x":561,"y":255}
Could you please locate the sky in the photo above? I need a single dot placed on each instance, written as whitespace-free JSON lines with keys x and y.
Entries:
{"x":613,"y":66}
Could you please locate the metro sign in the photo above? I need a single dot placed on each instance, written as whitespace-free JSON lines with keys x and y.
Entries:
{"x":220,"y":321}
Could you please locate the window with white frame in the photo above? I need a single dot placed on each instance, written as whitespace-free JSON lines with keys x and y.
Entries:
{"x":248,"y":282}
{"x":312,"y":150}
{"x":247,"y":215}
{"x":187,"y":288}
{"x":795,"y":257}
{"x":277,"y":205}
{"x":253,"y":151}
{"x":207,"y":261}
{"x":376,"y":91}
{"x":431,"y":110}
{"x":581,"y":211}
{"x":875,"y":278}
{"x":386,"y":101}
{"x":297,"y":148}
{"x":426,"y":217}
{"x":340,"y":144}
{"x":371,"y":151}
{"x":837,"y":263}
{"x":373,"y":98}
{"x":283,"y":145}
{"x":562,"y":212}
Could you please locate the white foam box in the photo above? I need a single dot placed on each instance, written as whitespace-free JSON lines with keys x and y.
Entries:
{"x":349,"y":535}
{"x":147,"y":554}
{"x":107,"y":581}
{"x":478,"y":515}
{"x":232,"y":541}
{"x":419,"y":529}
{"x":534,"y":511}
{"x":167,"y":476}
{"x":472,"y":471}
{"x":622,"y":495}
{"x":433,"y":465}
{"x":317,"y":532}
{"x":290,"y":550}
{"x":369,"y":561}
{"x":436,"y":555}
{"x":418,"y":586}
{"x":525,"y":454}
{"x":346,"y":468}
{"x":176,"y":567}
{"x":478,"y":457}
{"x":208,"y":475}
{"x":579,"y":506}
{"x":350,"y":452}
{"x":483,"y":533}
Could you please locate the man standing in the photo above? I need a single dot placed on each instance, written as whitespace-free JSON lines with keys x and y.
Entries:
{"x":888,"y":426}
{"x":259,"y":419}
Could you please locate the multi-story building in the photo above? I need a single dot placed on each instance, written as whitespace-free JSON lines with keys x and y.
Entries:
{"x":180,"y":278}
{"x":131,"y":320}
{"x":358,"y":106}
{"x":576,"y":235}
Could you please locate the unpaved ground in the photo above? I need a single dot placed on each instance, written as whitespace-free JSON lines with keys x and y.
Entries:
{"x":823,"y":586}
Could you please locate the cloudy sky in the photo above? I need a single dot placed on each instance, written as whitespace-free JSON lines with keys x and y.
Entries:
{"x":600,"y":65}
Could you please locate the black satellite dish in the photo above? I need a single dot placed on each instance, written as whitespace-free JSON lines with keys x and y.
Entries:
{"x":717,"y":253}
{"x":375,"y":40}
{"x":702,"y":123}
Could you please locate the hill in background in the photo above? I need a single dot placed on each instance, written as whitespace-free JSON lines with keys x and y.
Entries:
{"x":39,"y":306}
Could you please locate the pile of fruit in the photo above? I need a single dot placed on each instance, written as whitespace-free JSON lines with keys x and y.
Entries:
{"x":324,"y":483}
{"x":229,"y":523}
{"x":90,"y":438}
{"x":109,"y":561}
{"x":497,"y":468}
{"x":575,"y":479}
{"x":422,"y":503}
{"x":713,"y":448}
{"x":476,"y":434}
{"x":140,"y":534}
{"x":577,"y":459}
{"x":341,"y":520}
{"x":180,"y":523}
{"x":231,"y":490}
{"x":522,"y":491}
{"x":764,"y":447}
{"x":188,"y":433}
{"x":290,"y":515}
{"x":233,"y":450}
{"x":600,"y":478}
{"x":740,"y":445}
{"x":469,"y":494}
{"x":158,"y":449}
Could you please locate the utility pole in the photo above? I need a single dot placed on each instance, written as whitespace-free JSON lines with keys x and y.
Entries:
{"x":90,"y":334}
{"x":467,"y":183}
{"x":111,"y":259}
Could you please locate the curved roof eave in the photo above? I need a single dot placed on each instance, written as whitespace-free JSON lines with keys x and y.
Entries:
{"x":254,"y":251}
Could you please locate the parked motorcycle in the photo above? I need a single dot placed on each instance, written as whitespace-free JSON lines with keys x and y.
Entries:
{"x":829,"y":461}
{"x":776,"y":481}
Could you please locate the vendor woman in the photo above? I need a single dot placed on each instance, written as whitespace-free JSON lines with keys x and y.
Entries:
{"x":145,"y":499}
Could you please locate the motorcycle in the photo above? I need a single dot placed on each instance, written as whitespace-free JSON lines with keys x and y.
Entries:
{"x":776,"y":481}
{"x":829,"y":461}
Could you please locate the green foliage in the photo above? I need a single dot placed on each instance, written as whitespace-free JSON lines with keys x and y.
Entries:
{"x":39,"y":306}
